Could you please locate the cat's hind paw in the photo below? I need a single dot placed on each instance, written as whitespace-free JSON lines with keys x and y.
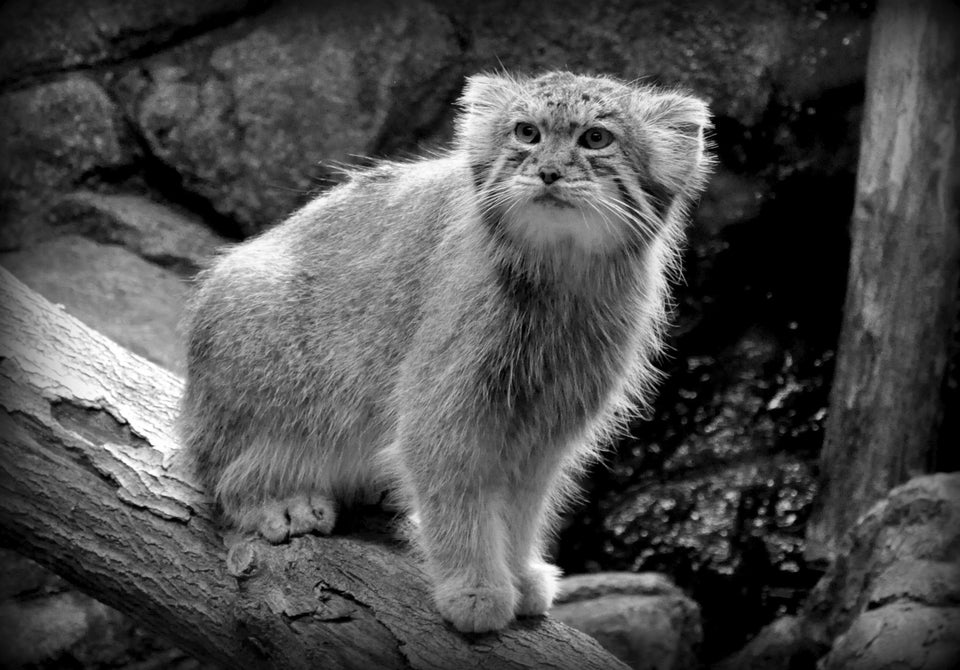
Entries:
{"x":298,"y":515}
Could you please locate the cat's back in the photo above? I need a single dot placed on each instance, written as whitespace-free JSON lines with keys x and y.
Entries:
{"x":387,"y":215}
{"x":339,"y":285}
{"x":377,"y":229}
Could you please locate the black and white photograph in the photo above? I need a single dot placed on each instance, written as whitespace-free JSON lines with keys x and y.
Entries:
{"x":508,"y":335}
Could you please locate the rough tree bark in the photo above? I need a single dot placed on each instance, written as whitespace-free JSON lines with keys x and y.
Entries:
{"x":886,"y":402}
{"x":92,"y":486}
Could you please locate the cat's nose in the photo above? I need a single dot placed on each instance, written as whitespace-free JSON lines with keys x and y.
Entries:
{"x":549,"y":174}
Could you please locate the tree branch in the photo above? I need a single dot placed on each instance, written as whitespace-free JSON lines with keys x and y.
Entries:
{"x":93,"y":486}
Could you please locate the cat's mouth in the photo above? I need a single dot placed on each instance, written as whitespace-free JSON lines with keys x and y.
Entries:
{"x":550,"y":199}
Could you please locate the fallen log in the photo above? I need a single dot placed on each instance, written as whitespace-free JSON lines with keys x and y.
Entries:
{"x":93,"y":486}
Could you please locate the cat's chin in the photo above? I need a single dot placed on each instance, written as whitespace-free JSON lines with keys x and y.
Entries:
{"x":547,"y":222}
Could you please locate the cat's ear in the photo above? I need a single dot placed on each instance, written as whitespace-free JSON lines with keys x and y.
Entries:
{"x":487,"y":92}
{"x":676,"y":126}
{"x":686,"y":115}
{"x":484,"y":101}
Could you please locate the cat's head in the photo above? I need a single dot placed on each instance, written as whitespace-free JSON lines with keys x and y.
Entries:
{"x":593,"y":161}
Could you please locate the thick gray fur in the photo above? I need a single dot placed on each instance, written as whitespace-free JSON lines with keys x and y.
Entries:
{"x":455,"y":328}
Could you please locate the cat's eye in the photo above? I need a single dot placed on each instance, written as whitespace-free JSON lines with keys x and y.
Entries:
{"x":596,"y":138}
{"x":527,"y":133}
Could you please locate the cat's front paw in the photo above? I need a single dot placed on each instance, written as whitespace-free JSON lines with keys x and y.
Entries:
{"x":538,"y":588}
{"x":476,"y":609}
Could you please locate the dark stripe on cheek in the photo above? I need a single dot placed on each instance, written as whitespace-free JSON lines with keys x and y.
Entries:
{"x":631,"y":202}
{"x":490,"y":174}
{"x":625,"y":195}
{"x":638,"y":234}
{"x":516,"y":156}
{"x":601,"y":167}
{"x":660,"y":197}
{"x":478,"y":171}
{"x":493,"y":224}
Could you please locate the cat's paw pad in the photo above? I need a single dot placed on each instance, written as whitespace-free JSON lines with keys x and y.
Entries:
{"x":478,"y":609}
{"x":538,"y":588}
{"x":299,"y":515}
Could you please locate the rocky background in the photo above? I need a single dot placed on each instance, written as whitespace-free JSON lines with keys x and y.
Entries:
{"x":138,"y":136}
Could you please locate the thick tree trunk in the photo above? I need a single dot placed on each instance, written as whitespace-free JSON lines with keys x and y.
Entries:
{"x":92,"y":486}
{"x":886,"y":403}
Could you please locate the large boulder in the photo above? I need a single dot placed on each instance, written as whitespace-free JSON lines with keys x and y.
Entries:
{"x":899,"y":636}
{"x":47,"y":626}
{"x":892,"y":598}
{"x":54,"y":136}
{"x":112,"y":290}
{"x":739,"y":54}
{"x":256,"y":124}
{"x":662,"y":41}
{"x":642,"y":619}
{"x":906,"y":548}
{"x":40,"y":36}
{"x":784,"y":644}
{"x":156,"y":232}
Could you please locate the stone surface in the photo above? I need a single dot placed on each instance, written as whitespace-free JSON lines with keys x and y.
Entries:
{"x":254,"y":124}
{"x":674,"y":43}
{"x":67,"y":629}
{"x":54,"y":136}
{"x":905,"y":549}
{"x":715,"y":491}
{"x":935,"y":583}
{"x":891,"y":600}
{"x":595,"y":585}
{"x":254,"y":121}
{"x":644,"y":620}
{"x":693,"y":520}
{"x":735,"y":53}
{"x":155,"y":232}
{"x":42,"y":36}
{"x":781,"y":645}
{"x":899,"y":636}
{"x":19,"y":576}
{"x":111,"y":290}
{"x":39,"y":630}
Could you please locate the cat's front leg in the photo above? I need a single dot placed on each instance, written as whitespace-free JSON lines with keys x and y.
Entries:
{"x":530,"y":511}
{"x":463,"y":536}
